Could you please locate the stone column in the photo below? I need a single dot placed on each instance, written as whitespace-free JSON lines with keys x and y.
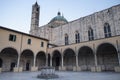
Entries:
{"x":119,"y":58}
{"x":117,"y":68}
{"x":34,"y":68}
{"x":18,"y":61}
{"x":19,"y":69}
{"x":62,"y":64}
{"x":16,"y":68}
{"x":34,"y":61}
{"x":76,"y":56}
{"x":95,"y":57}
{"x":76,"y":60}
{"x":118,"y":51}
{"x":75,"y":68}
{"x":51,"y":61}
{"x":46,"y":59}
{"x":95,"y":68}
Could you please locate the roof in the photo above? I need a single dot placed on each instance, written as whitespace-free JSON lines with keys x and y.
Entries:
{"x":1,"y":27}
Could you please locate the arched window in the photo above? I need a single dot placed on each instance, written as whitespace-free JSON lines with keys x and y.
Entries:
{"x":66,"y":39}
{"x":77,"y":37}
{"x":107,"y":30}
{"x":90,"y":34}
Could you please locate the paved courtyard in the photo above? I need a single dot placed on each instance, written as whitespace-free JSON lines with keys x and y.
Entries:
{"x":62,"y":76}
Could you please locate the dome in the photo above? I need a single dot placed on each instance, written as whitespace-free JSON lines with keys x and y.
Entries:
{"x":58,"y":20}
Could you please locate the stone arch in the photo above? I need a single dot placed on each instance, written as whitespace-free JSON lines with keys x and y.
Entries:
{"x":105,"y":43}
{"x":85,"y":58}
{"x":9,"y":58}
{"x":26,"y":59}
{"x":40,"y":59}
{"x":69,"y":59}
{"x":56,"y":59}
{"x":107,"y":56}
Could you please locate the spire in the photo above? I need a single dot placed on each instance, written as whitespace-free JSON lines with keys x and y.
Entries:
{"x":36,"y":4}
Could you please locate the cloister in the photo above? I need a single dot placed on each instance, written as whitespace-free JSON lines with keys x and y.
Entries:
{"x":103,"y":54}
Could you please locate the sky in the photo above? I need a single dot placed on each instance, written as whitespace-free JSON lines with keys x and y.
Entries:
{"x":16,"y":14}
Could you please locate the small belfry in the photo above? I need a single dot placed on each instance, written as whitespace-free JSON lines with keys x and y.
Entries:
{"x":35,"y":17}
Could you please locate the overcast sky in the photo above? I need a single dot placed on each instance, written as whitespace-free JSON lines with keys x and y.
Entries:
{"x":16,"y":14}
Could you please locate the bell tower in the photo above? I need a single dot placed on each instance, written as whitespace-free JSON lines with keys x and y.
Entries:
{"x":34,"y":18}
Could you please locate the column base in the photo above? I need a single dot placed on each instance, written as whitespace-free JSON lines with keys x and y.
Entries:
{"x":76,"y":68}
{"x":0,"y":70}
{"x":117,"y":69}
{"x":62,"y":68}
{"x":20,"y":69}
{"x":96,"y":69}
{"x":93,"y":69}
{"x":15,"y":69}
{"x":83,"y":68}
{"x":34,"y":68}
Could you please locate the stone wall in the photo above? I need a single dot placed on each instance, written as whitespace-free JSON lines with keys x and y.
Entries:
{"x":96,"y":21}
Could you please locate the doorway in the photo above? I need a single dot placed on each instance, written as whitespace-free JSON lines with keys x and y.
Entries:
{"x":12,"y":66}
{"x":57,"y":64}
{"x":27,"y":66}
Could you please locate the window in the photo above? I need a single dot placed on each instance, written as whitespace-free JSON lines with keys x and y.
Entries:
{"x":66,"y":39}
{"x":77,"y":37}
{"x":12,"y":37}
{"x":90,"y":34}
{"x":37,"y":9}
{"x":107,"y":30}
{"x":29,"y":41}
{"x":42,"y":44}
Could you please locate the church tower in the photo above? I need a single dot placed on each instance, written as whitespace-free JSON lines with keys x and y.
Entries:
{"x":35,"y":18}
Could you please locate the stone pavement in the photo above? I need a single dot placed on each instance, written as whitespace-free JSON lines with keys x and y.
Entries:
{"x":67,"y":75}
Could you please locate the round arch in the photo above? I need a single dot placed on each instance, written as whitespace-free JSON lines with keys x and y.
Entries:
{"x":107,"y":56}
{"x":40,"y":59}
{"x":105,"y":43}
{"x":56,"y":58}
{"x":26,"y":59}
{"x":85,"y":58}
{"x":69,"y":59}
{"x":8,"y":56}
